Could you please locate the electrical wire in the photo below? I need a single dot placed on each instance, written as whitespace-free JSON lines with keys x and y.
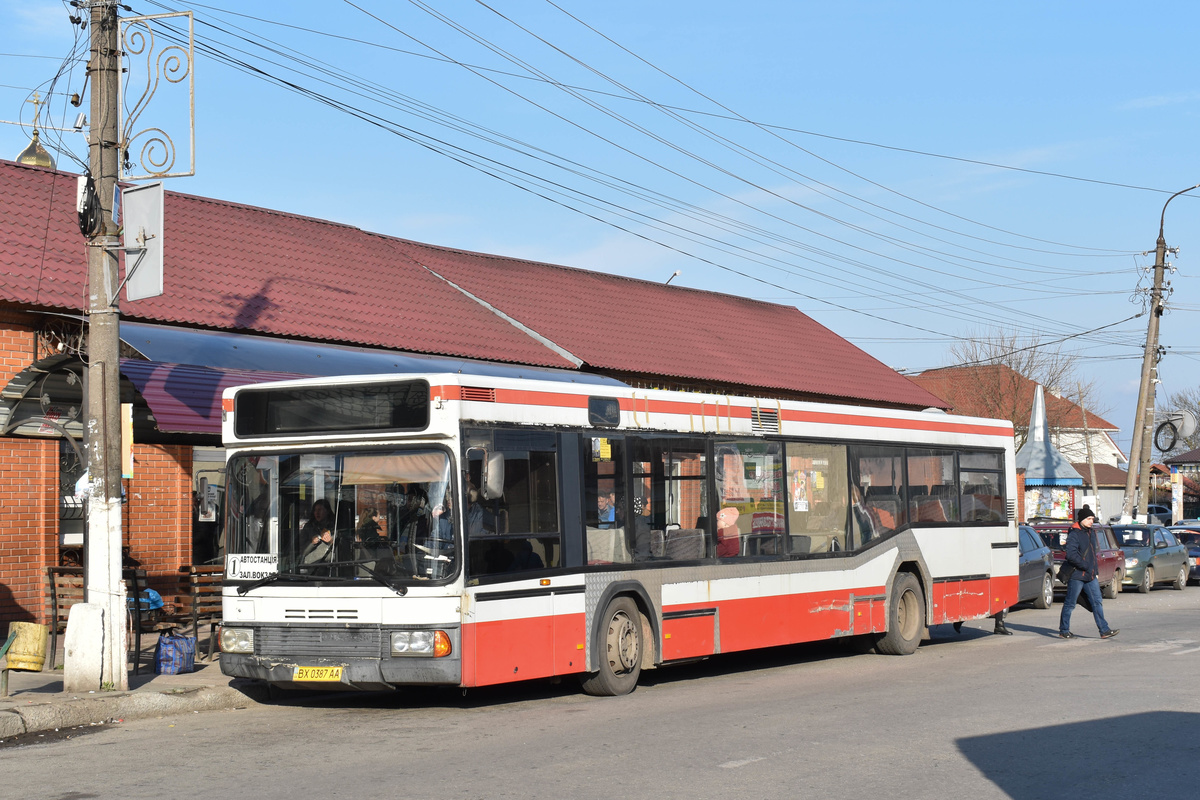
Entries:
{"x":790,"y":291}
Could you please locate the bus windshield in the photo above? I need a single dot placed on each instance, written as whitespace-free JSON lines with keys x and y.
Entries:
{"x":386,"y":515}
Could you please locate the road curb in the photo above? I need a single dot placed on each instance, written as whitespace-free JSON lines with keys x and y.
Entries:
{"x":77,"y":711}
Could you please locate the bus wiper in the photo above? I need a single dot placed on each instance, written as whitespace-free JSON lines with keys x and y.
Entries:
{"x":278,"y":576}
{"x":374,"y":573}
{"x":381,"y":578}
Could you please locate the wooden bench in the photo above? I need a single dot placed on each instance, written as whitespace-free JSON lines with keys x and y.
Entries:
{"x":67,"y":589}
{"x":204,"y":588}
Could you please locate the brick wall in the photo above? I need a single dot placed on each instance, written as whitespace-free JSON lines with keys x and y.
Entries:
{"x":1021,"y":496}
{"x":158,"y":514}
{"x":29,"y":536}
{"x":17,"y":343}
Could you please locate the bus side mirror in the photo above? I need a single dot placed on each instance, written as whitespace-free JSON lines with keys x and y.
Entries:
{"x":493,"y":476}
{"x":205,"y":505}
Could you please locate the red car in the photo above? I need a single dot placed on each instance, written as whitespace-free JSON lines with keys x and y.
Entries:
{"x":1110,"y":557}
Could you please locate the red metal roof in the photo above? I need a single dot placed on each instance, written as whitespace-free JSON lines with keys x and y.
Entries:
{"x":996,"y":390}
{"x":235,"y":267}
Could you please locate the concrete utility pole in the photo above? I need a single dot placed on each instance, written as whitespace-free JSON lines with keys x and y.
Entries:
{"x":104,"y":585}
{"x":1143,"y":418}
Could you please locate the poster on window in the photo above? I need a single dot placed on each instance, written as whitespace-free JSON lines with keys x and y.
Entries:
{"x":800,"y":490}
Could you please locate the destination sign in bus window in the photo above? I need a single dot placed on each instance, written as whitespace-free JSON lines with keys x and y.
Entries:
{"x":393,"y":406}
{"x":250,"y":567}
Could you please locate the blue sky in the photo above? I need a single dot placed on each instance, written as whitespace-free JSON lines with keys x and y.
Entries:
{"x":789,"y":151}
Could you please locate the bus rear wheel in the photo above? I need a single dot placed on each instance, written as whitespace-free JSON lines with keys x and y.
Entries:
{"x":621,"y":656}
{"x":906,"y":617}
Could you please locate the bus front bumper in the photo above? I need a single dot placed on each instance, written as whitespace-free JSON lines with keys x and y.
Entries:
{"x":365,"y":674}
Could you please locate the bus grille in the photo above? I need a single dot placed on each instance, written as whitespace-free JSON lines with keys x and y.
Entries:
{"x":330,"y":642}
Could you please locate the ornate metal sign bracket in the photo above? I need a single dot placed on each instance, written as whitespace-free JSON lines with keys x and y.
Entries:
{"x":150,"y":152}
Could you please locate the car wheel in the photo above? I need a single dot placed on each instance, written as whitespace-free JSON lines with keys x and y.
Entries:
{"x":621,"y":659}
{"x":1046,"y":598}
{"x":1147,"y":580}
{"x":1110,"y":589}
{"x":1181,"y":579}
{"x":906,"y":618}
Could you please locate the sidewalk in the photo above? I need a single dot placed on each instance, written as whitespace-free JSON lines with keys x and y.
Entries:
{"x":37,"y":702}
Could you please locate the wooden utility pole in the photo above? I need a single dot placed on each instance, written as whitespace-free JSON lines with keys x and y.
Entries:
{"x":104,"y":584}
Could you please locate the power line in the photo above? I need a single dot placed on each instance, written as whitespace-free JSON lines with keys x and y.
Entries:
{"x":940,"y":291}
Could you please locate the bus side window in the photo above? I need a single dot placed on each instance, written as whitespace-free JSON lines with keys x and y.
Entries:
{"x":879,"y":479}
{"x":604,"y":514}
{"x":749,"y":499}
{"x":670,"y":480}
{"x":817,"y":497}
{"x":521,"y":529}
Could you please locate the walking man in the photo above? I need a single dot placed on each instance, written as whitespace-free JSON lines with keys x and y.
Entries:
{"x":1080,"y":567}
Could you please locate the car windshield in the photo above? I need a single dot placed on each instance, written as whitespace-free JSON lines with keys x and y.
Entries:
{"x":382,"y":515}
{"x":1133,"y":537}
{"x":1190,"y":538}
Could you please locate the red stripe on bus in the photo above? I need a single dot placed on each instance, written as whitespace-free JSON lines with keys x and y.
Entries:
{"x":717,"y":410}
{"x":538,"y":647}
{"x":831,"y":418}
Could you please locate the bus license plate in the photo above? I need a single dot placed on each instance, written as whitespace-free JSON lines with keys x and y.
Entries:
{"x":317,"y":674}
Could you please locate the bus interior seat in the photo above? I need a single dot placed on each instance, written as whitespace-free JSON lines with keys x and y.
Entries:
{"x":684,"y":543}
{"x":607,"y":546}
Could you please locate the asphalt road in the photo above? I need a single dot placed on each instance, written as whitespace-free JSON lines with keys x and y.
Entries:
{"x":970,"y":715}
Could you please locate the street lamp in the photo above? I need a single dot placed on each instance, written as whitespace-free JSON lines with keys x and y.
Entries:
{"x":1143,"y":419}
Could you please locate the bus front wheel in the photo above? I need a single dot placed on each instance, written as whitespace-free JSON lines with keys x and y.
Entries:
{"x":906,"y":617}
{"x":621,"y":653}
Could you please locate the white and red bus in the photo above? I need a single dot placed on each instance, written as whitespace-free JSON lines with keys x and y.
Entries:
{"x":470,"y":530}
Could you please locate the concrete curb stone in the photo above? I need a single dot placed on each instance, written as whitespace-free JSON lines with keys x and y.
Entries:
{"x":77,"y":711}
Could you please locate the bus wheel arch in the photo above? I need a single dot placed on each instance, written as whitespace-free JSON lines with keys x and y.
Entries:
{"x":907,"y":612}
{"x":621,"y":648}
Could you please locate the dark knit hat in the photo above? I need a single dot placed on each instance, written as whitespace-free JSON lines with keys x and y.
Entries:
{"x":1084,"y":513}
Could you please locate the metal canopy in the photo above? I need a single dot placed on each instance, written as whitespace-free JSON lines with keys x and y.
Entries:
{"x":240,"y":351}
{"x":176,"y":392}
{"x":169,"y":400}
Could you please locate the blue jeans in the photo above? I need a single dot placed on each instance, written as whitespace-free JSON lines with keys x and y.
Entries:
{"x":1092,"y":590}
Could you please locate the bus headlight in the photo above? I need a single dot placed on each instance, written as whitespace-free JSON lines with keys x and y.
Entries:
{"x":237,"y":640}
{"x":420,"y":643}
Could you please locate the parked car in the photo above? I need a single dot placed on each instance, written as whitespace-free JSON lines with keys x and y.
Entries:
{"x":1152,"y":555}
{"x":1189,"y":537}
{"x":1036,"y":569}
{"x":1109,"y":557}
{"x":1158,"y":515}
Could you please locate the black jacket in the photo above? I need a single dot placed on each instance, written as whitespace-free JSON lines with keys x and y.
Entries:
{"x":1081,"y":553}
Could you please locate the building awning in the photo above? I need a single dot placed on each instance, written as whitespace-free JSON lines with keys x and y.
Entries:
{"x":169,"y":401}
{"x":223,"y":350}
{"x":176,"y":390}
{"x":187,"y":399}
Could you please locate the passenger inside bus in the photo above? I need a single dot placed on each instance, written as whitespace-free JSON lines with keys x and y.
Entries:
{"x":475,"y":512}
{"x":319,"y":533}
{"x":371,"y":546}
{"x":413,"y":519}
